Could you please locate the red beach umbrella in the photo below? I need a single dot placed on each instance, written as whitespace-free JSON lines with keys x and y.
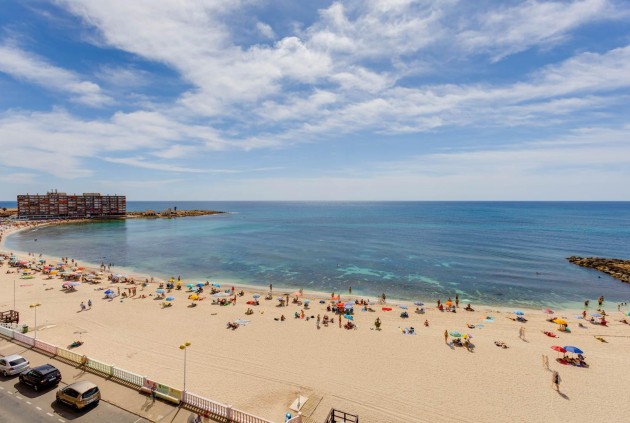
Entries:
{"x":558,"y":348}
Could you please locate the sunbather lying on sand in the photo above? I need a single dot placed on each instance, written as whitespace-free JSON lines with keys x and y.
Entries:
{"x":501,"y":344}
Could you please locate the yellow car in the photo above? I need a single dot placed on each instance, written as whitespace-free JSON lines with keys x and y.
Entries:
{"x":79,"y":394}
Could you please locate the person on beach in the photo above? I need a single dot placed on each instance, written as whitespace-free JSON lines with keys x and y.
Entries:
{"x":456,"y":300}
{"x":445,"y":336}
{"x":270,"y":288}
{"x":426,"y":323}
{"x":90,"y":303}
{"x":555,"y":380}
{"x":521,"y":332}
{"x":318,"y":320}
{"x":82,"y":306}
{"x":545,"y":361}
{"x":350,"y":290}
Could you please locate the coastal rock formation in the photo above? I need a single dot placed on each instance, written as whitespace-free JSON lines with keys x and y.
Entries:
{"x":171,"y":213}
{"x":617,"y":268}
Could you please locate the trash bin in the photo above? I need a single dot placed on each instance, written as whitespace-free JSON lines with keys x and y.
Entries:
{"x":24,"y":328}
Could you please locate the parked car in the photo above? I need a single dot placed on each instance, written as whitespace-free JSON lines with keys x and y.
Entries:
{"x":79,"y":394}
{"x":13,"y":364}
{"x":41,"y":377}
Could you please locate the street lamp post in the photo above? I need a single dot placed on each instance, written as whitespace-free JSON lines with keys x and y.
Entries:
{"x":184,"y":347}
{"x":35,"y":307}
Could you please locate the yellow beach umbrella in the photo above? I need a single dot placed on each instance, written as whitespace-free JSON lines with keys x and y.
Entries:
{"x":193,"y":297}
{"x":560,"y":321}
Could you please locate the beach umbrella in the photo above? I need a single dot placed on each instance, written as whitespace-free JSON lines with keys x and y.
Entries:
{"x":548,"y":311}
{"x":558,"y":348}
{"x":221,"y":294}
{"x":256,"y":295}
{"x":419,"y":303}
{"x":160,"y":291}
{"x":169,"y":298}
{"x":200,"y":285}
{"x":448,"y":303}
{"x":307,"y":301}
{"x":455,"y":334}
{"x":109,"y":291}
{"x":349,"y":304}
{"x":574,"y":350}
{"x":560,"y":321}
{"x":596,"y":315}
{"x":296,"y":294}
{"x":193,"y":297}
{"x":190,"y":285}
{"x":519,"y":312}
{"x":74,"y":283}
{"x":467,"y":336}
{"x":280,"y":298}
{"x":216,"y":285}
{"x":628,"y":313}
{"x":349,"y":317}
{"x":404,"y":307}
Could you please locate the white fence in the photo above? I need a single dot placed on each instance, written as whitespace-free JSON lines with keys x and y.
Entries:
{"x":188,"y":398}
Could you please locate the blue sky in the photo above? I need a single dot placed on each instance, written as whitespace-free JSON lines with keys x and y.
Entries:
{"x":317,"y":100}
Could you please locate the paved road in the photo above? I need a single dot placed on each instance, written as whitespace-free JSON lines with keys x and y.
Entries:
{"x":20,"y":404}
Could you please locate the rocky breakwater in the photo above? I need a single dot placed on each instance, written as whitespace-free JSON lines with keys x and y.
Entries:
{"x":168,"y":214}
{"x":617,"y":268}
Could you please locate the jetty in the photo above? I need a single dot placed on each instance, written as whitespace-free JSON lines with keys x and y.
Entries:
{"x":617,"y":268}
{"x":169,"y":214}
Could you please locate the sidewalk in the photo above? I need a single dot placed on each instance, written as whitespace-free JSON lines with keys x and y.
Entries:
{"x":119,"y":395}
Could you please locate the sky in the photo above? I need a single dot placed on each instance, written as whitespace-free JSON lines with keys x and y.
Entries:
{"x":316,"y":100}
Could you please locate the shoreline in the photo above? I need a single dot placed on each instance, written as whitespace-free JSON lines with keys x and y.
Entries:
{"x":262,"y":365}
{"x":319,"y":295}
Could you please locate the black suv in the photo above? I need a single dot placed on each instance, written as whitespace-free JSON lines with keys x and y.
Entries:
{"x":41,"y":377}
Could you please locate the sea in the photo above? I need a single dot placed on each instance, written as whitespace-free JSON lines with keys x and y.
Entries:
{"x":497,"y":253}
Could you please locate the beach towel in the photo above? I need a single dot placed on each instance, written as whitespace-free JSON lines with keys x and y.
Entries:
{"x":386,"y":309}
{"x":406,"y":331}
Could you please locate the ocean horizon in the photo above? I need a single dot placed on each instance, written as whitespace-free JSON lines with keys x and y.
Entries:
{"x":503,"y":253}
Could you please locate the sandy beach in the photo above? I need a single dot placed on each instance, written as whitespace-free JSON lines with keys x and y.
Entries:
{"x":383,"y":376}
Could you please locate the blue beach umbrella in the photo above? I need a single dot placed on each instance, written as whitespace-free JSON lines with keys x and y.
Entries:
{"x":349,"y":317}
{"x":109,"y":291}
{"x":170,"y":298}
{"x":518,"y":312}
{"x":217,"y":285}
{"x":307,"y":301}
{"x":419,"y":303}
{"x":628,"y":313}
{"x":574,"y":350}
{"x":404,"y":307}
{"x":160,"y":291}
{"x":200,"y":284}
{"x":596,"y":315}
{"x":256,"y":295}
{"x":190,"y":285}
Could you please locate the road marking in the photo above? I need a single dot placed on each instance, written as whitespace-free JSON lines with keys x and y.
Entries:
{"x":18,"y":397}
{"x":62,"y":420}
{"x":28,"y":402}
{"x":9,"y":392}
{"x":1,"y":387}
{"x":39,"y":408}
{"x":49,"y":414}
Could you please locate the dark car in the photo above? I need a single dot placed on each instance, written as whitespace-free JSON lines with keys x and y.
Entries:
{"x":41,"y":377}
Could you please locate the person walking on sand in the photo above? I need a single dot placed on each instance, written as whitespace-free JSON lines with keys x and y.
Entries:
{"x":545,"y":361}
{"x":350,"y":290}
{"x":521,"y":332}
{"x":445,"y":336}
{"x":555,"y":380}
{"x":318,"y":320}
{"x":82,"y":306}
{"x":456,"y":300}
{"x":90,"y":303}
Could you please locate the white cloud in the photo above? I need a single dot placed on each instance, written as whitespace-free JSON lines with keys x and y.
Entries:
{"x":265,"y":30}
{"x":29,"y":67}
{"x":507,"y":30}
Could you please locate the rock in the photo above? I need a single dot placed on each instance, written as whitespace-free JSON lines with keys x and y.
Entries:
{"x":617,"y":268}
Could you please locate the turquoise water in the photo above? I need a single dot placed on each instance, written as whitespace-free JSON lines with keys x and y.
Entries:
{"x":488,"y":252}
